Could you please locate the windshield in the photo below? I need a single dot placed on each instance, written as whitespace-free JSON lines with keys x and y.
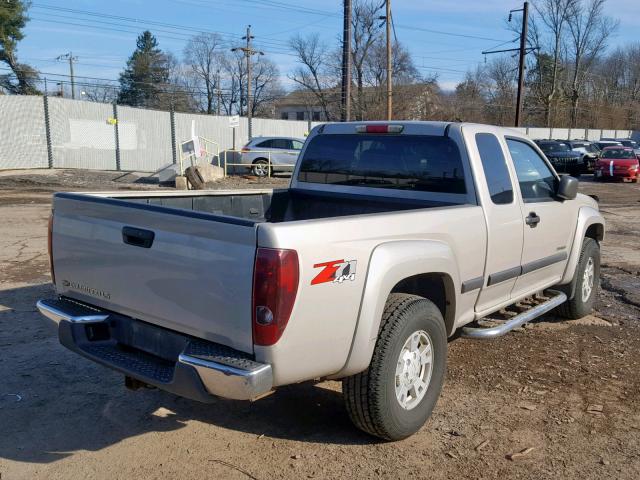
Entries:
{"x":554,"y":147}
{"x":403,"y":162}
{"x":618,"y":153}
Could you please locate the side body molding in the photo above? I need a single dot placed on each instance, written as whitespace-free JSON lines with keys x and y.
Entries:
{"x":390,"y":263}
{"x":587,"y":216}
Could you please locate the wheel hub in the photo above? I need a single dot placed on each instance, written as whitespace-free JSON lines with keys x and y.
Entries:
{"x":588,"y":279}
{"x":413,"y":369}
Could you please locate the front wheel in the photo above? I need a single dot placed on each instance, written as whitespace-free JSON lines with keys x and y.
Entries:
{"x":394,"y":397}
{"x":587,"y":278}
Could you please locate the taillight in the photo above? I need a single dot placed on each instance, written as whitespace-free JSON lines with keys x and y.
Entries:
{"x":379,"y":128}
{"x":275,"y":284}
{"x":50,"y":246}
{"x":245,"y":149}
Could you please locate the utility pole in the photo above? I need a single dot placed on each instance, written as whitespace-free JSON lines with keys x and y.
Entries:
{"x":522,"y":50}
{"x":345,"y":111}
{"x":523,"y":53}
{"x":248,"y":52}
{"x":389,"y":59}
{"x":69,"y":56}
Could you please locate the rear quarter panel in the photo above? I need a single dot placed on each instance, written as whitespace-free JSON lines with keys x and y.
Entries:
{"x":318,"y":340}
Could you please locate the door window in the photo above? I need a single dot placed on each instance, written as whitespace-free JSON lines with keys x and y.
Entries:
{"x":297,"y":145}
{"x":495,"y":168}
{"x":536,"y":179}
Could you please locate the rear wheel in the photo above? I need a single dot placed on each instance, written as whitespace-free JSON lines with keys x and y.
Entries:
{"x":260,"y":168}
{"x":587,"y":282}
{"x":394,"y":397}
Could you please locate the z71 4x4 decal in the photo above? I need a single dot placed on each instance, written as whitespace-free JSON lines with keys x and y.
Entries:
{"x":336,"y":271}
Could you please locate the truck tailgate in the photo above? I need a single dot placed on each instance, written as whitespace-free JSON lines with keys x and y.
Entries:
{"x":195,"y":276}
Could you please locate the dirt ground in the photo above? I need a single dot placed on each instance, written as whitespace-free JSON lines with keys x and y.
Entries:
{"x":569,"y":390}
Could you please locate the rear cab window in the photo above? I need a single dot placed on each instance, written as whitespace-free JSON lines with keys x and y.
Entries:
{"x":421,"y":163}
{"x":495,"y":168}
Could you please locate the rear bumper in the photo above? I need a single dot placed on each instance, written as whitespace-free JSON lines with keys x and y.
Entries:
{"x":171,"y":361}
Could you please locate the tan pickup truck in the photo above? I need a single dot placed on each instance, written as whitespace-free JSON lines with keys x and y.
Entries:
{"x":391,"y":238}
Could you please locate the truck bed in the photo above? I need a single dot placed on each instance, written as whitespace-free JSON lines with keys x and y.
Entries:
{"x":271,"y":206}
{"x":182,"y":261}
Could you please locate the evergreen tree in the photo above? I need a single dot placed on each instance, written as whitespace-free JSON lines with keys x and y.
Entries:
{"x":147,"y":73}
{"x":13,"y":18}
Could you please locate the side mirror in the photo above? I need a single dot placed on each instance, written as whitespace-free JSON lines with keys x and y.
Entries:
{"x":568,"y":188}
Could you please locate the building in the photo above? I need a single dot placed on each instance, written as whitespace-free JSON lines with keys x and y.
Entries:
{"x":300,"y":105}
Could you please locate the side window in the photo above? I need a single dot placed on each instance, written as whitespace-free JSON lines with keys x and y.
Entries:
{"x":281,"y":143}
{"x":297,"y":145}
{"x":265,"y":144}
{"x":537,"y":181}
{"x":495,"y":168}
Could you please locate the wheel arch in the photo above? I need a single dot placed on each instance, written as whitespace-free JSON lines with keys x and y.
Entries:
{"x":427,"y":268}
{"x":590,"y":224}
{"x":435,"y":286}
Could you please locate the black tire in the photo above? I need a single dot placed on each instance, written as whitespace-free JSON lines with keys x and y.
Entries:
{"x":578,"y":307}
{"x":263,"y":170}
{"x":370,"y":396}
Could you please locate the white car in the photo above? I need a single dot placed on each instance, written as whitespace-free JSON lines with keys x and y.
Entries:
{"x":281,"y":152}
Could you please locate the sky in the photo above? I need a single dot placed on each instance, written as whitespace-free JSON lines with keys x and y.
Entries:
{"x":445,"y":37}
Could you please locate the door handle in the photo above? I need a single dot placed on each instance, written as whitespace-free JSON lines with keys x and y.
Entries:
{"x":532,"y":220}
{"x":137,"y":237}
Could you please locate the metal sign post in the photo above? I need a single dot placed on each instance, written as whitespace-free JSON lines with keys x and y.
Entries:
{"x":234,"y":122}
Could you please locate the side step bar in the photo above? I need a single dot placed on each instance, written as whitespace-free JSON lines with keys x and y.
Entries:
{"x":481,"y":333}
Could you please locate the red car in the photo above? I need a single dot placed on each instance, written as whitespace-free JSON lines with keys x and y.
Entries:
{"x":617,"y":162}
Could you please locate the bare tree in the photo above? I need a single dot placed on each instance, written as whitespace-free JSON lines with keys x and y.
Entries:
{"x":553,"y":15}
{"x":204,"y":57}
{"x":366,"y":30}
{"x":265,"y":84}
{"x":100,"y":91}
{"x":589,"y":31}
{"x":315,"y":74}
{"x":501,"y":74}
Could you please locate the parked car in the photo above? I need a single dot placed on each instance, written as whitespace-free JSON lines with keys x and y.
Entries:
{"x":589,"y":152}
{"x":627,"y":142}
{"x":561,"y":156}
{"x":391,"y":238}
{"x":602,"y":144}
{"x":618,"y":163}
{"x":282,"y":151}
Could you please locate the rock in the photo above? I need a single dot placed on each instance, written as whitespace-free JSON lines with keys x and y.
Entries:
{"x":595,"y":409}
{"x":181,"y":182}
{"x":520,"y":454}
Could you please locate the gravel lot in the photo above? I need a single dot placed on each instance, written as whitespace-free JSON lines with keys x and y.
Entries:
{"x":570,"y":390}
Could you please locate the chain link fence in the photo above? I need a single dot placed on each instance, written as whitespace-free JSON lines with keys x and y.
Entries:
{"x":53,"y":132}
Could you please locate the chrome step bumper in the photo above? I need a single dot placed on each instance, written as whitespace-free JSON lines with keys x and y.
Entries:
{"x":486,"y":333}
{"x":189,"y":367}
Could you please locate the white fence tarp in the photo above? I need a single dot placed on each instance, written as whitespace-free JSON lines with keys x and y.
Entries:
{"x":23,"y":141}
{"x":83,"y":134}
